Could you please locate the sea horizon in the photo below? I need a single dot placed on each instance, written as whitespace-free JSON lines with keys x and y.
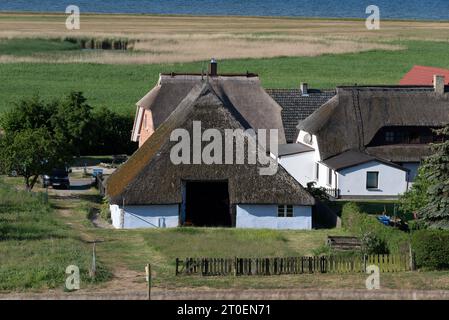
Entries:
{"x":416,"y":10}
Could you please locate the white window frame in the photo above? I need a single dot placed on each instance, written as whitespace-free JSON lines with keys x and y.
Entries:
{"x":285,"y":211}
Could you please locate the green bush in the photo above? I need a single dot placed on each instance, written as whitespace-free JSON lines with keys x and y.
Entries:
{"x":361,"y":224}
{"x":105,"y":212}
{"x":431,"y":249}
{"x":415,"y":225}
{"x":372,"y":244}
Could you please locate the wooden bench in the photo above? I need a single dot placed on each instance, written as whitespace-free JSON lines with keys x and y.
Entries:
{"x":344,"y":243}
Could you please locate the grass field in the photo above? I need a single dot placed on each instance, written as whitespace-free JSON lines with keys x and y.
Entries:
{"x":36,"y":247}
{"x":120,"y":86}
{"x":39,"y":241}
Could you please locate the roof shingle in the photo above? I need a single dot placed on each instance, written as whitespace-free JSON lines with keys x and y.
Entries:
{"x":296,"y":106}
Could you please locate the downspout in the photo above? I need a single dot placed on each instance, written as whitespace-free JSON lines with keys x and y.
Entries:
{"x":337,"y":195}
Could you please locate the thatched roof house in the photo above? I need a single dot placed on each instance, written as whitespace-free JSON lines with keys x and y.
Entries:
{"x":351,"y":120}
{"x":368,"y":141}
{"x":150,"y":189}
{"x":243,"y":91}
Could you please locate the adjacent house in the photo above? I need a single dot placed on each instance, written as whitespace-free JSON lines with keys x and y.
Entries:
{"x":368,"y":141}
{"x":423,"y":76}
{"x":150,"y":190}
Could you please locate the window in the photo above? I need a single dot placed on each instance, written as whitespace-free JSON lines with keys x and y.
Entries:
{"x":145,"y":122}
{"x":372,"y":180}
{"x":285,"y":211}
{"x":317,"y":171}
{"x":389,"y":136}
{"x":329,"y":176}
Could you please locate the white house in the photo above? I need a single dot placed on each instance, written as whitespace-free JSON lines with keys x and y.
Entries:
{"x":367,"y":142}
{"x":151,"y":191}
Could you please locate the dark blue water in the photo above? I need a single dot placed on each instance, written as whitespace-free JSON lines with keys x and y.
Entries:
{"x":389,"y":9}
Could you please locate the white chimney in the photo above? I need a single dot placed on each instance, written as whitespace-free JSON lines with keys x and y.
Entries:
{"x":438,"y":84}
{"x":304,"y":88}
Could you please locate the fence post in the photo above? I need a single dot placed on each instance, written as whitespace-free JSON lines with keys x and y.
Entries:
{"x":148,"y":273}
{"x":177,"y":263}
{"x":93,"y":270}
{"x":411,"y":260}
{"x":364,"y":263}
{"x":235,"y":266}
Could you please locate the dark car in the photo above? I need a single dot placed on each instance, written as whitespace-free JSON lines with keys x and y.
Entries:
{"x":58,"y":178}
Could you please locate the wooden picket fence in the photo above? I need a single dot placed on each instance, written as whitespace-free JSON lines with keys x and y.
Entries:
{"x":289,"y":265}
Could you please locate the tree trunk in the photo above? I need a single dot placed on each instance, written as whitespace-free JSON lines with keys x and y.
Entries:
{"x":30,"y":182}
{"x":27,"y":183}
{"x":33,"y":182}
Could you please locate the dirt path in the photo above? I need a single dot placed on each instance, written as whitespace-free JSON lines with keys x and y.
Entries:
{"x":257,"y":294}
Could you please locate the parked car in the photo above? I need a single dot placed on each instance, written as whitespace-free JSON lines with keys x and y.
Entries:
{"x":58,"y":178}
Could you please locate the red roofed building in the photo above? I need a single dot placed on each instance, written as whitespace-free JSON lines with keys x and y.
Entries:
{"x":420,"y":75}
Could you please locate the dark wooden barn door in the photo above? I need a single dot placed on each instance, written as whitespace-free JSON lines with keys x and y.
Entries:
{"x":207,"y":204}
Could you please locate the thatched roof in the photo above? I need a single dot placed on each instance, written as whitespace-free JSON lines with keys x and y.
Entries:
{"x":243,"y":91}
{"x":150,"y":177}
{"x":400,"y":153}
{"x":350,"y":120}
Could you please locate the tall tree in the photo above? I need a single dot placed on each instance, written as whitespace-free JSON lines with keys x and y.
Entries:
{"x":30,"y":113}
{"x":72,"y":122}
{"x":435,"y":213}
{"x":416,"y":198}
{"x":29,"y":152}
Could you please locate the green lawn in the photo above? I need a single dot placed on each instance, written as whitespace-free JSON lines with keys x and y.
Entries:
{"x":119,"y":87}
{"x":36,"y":247}
{"x":29,"y":47}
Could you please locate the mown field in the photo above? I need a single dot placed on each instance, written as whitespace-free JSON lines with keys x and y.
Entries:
{"x":35,"y":59}
{"x":120,"y":86}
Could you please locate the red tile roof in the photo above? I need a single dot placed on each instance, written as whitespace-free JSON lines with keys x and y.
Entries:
{"x":420,"y":75}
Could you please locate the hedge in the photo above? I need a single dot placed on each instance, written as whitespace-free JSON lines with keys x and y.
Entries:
{"x":431,"y":249}
{"x":362,"y":225}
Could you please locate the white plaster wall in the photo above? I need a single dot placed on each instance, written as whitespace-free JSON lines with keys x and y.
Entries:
{"x":314,"y":144}
{"x":151,"y":216}
{"x":300,"y":166}
{"x":115,"y":215}
{"x":307,"y":172}
{"x":323,"y":178}
{"x":352,"y":181}
{"x":265,"y":217}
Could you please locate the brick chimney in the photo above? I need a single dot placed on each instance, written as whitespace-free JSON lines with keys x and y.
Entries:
{"x":438,"y":84}
{"x":213,"y":68}
{"x":304,"y":88}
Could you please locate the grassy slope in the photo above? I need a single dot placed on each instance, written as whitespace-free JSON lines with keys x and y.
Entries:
{"x":35,"y":247}
{"x":120,"y":86}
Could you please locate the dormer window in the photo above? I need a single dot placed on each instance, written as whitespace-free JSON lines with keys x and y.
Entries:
{"x":389,"y":136}
{"x":404,"y":135}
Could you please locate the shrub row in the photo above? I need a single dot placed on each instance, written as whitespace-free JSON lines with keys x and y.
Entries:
{"x":431,"y":249}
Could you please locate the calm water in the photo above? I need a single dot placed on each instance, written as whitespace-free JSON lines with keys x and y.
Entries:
{"x":392,"y":9}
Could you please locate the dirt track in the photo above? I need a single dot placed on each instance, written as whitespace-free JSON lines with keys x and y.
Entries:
{"x":202,"y":294}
